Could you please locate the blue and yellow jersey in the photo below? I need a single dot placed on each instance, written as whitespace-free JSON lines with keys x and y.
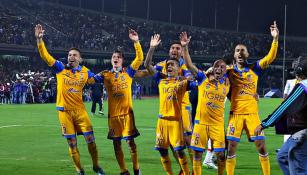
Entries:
{"x":118,"y":85}
{"x":211,"y":98}
{"x":244,"y":83}
{"x":183,"y":71}
{"x":171,"y":92}
{"x":70,"y":82}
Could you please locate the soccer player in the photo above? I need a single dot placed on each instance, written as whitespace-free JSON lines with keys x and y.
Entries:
{"x":175,"y":51}
{"x":121,"y":121}
{"x":71,"y":79}
{"x":244,"y":108}
{"x":96,"y":94}
{"x":209,"y":119}
{"x":171,"y":91}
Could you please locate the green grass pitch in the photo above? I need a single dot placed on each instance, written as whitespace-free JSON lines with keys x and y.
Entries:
{"x":31,"y":142}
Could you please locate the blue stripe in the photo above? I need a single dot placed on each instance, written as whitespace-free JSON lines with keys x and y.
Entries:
{"x":187,"y":133}
{"x":70,"y":136}
{"x":282,"y":108}
{"x":158,"y":149}
{"x":98,"y":78}
{"x":125,"y":138}
{"x":232,"y":138}
{"x":59,"y":108}
{"x":87,"y":133}
{"x":160,"y":116}
{"x":131,"y":71}
{"x":178,"y":148}
{"x":196,"y":121}
{"x":188,"y":108}
{"x":197,"y":148}
{"x":252,"y":139}
{"x":218,"y":149}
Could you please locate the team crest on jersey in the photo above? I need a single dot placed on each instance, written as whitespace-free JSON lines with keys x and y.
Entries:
{"x":224,"y":90}
{"x":123,"y":78}
{"x":231,"y":129}
{"x":81,"y":76}
{"x":249,"y":78}
{"x":207,"y":86}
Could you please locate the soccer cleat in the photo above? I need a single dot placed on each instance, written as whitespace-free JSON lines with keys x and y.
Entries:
{"x":99,"y":171}
{"x":101,"y":112}
{"x":209,"y":165}
{"x":125,"y":173}
{"x":81,"y":172}
{"x":137,"y":172}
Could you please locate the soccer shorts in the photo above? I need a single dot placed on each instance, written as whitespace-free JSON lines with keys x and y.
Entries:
{"x":202,"y":133}
{"x":169,"y":132}
{"x":122,"y":127}
{"x":239,"y":122}
{"x":75,"y":122}
{"x":187,"y":120}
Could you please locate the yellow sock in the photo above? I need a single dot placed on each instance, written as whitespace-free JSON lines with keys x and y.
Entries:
{"x":190,"y":154}
{"x":166,"y":163}
{"x":221,"y":167}
{"x":94,"y":153}
{"x":134,"y":158}
{"x":121,"y":160}
{"x":74,"y":154}
{"x":197,"y":167}
{"x":265,"y":164}
{"x":184,"y":165}
{"x":230,"y":165}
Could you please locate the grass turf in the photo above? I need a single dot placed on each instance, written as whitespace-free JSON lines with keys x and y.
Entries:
{"x":31,"y":142}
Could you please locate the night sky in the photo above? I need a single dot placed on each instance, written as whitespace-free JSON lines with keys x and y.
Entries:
{"x":255,"y":15}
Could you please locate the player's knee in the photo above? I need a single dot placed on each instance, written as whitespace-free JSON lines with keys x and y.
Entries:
{"x":260,"y":144}
{"x":163,"y":152}
{"x":198,"y":155}
{"x":180,"y":153}
{"x":232,"y":145}
{"x":89,"y":138}
{"x":72,"y":142}
{"x":220,"y":156}
{"x":131,"y":145}
{"x":117,"y":145}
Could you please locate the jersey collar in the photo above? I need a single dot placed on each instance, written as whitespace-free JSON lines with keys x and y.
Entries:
{"x":76,"y":69}
{"x":236,"y":69}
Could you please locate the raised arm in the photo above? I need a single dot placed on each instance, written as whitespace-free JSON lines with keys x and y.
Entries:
{"x":39,"y":32}
{"x":270,"y":57}
{"x":185,"y":40}
{"x":139,"y":57}
{"x":154,"y":42}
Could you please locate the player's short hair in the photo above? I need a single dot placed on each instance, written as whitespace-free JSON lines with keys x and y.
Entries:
{"x":120,"y":52}
{"x":173,"y":59}
{"x":175,"y":42}
{"x":217,"y":61}
{"x":75,"y":48}
{"x":228,"y":58}
{"x":301,"y":68}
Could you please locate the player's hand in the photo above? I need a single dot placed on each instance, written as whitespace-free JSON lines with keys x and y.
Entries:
{"x":39,"y":32}
{"x":133,"y":35}
{"x":258,"y":130}
{"x":274,"y":31}
{"x":184,"y":39}
{"x":155,"y":40}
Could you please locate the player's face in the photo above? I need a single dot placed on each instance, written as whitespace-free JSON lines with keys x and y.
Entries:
{"x":219,"y":70}
{"x":74,"y":58}
{"x":175,"y":51}
{"x":117,"y":60}
{"x":172,"y":68}
{"x":241,"y":54}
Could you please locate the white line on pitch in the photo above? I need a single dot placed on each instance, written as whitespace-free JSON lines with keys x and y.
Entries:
{"x":9,"y":126}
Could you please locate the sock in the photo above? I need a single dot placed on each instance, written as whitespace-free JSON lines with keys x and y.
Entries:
{"x":134,"y":158}
{"x":190,"y":154}
{"x":74,"y":154}
{"x":209,"y":156}
{"x":221,"y":167}
{"x":230,"y":165}
{"x":265,"y":164}
{"x":184,"y":165}
{"x":94,"y":153}
{"x":121,"y":160}
{"x":197,"y":167}
{"x":167,"y":166}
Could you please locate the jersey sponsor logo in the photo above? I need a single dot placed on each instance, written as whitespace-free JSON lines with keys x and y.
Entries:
{"x":212,"y":105}
{"x":64,"y":130}
{"x":224,"y":90}
{"x":123,"y":78}
{"x":71,"y":82}
{"x":159,"y":140}
{"x":213,"y":96}
{"x":250,"y":78}
{"x":207,"y":86}
{"x":73,"y":90}
{"x":118,"y":95}
{"x":250,"y":86}
{"x":120,"y":86}
{"x":81,"y":76}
